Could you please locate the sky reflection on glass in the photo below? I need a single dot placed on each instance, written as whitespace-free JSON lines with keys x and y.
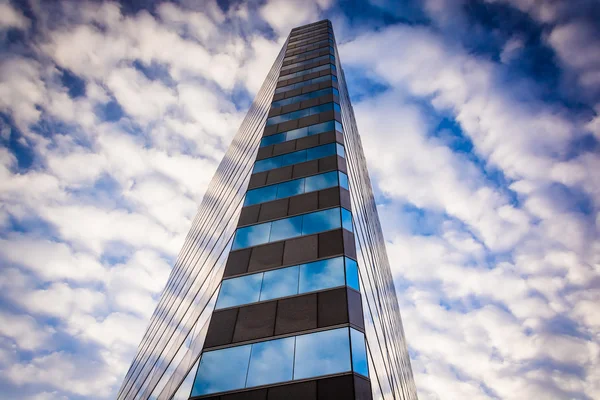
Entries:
{"x":322,"y":353}
{"x":322,"y":275}
{"x":222,"y":370}
{"x":271,"y":362}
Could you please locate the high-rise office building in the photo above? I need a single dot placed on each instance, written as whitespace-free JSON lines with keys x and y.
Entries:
{"x":283,"y":288}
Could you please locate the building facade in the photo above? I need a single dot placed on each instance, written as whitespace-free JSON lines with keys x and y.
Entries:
{"x":283,"y":288}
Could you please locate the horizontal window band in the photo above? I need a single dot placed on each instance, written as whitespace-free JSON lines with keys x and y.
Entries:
{"x":305,"y":101}
{"x":331,"y":243}
{"x":331,"y":91}
{"x":341,"y":254}
{"x":292,"y":227}
{"x":319,"y":42}
{"x":331,"y":163}
{"x":291,"y":206}
{"x":310,"y":61}
{"x":300,"y":50}
{"x":301,"y":132}
{"x":304,"y":356}
{"x":324,"y":78}
{"x":308,"y":54}
{"x":288,"y":282}
{"x":296,"y":187}
{"x":325,"y":135}
{"x":306,"y":112}
{"x":307,"y":71}
{"x":299,"y":156}
{"x":295,"y":38}
{"x":289,"y":386}
{"x":304,"y":28}
{"x":315,"y":38}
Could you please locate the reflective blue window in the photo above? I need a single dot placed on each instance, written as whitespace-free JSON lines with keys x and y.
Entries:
{"x":242,"y":290}
{"x":273,"y":139}
{"x":251,"y":236}
{"x":325,"y":78}
{"x":320,"y":151}
{"x":279,"y":283}
{"x":340,"y":150}
{"x":260,"y":195}
{"x":352,"y":274}
{"x":281,"y":360}
{"x":307,"y":53}
{"x":295,"y":187}
{"x":320,"y":128}
{"x":359,"y":353}
{"x":343,"y":180}
{"x":338,"y":126}
{"x":271,"y":362}
{"x":321,"y":221}
{"x":288,"y":281}
{"x":302,"y":97}
{"x":301,"y":132}
{"x":222,"y":370}
{"x":291,"y":188}
{"x":347,"y":220}
{"x":286,"y":228}
{"x":321,"y":274}
{"x":321,"y":181}
{"x":331,"y":59}
{"x":295,"y":157}
{"x":322,"y":353}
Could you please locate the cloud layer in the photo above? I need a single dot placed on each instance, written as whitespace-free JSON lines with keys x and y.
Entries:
{"x":481,"y":138}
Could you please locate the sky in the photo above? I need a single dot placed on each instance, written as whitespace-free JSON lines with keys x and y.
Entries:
{"x":481,"y":128}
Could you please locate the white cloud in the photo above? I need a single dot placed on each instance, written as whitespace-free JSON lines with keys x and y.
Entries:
{"x":11,"y":18}
{"x":24,"y":330}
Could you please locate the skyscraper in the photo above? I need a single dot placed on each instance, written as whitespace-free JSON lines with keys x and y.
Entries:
{"x":283,"y":288}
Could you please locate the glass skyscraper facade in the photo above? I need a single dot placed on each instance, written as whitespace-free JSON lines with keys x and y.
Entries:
{"x":282,"y":289}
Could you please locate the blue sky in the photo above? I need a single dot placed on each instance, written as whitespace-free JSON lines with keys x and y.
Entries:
{"x":481,"y":130}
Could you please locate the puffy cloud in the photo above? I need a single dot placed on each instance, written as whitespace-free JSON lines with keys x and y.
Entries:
{"x":12,"y":18}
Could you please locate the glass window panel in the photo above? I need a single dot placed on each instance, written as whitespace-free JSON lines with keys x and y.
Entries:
{"x":291,"y":188}
{"x":320,"y":151}
{"x":242,"y":290}
{"x":266,"y":164}
{"x":352,"y":274}
{"x":340,"y":150}
{"x":279,"y":283}
{"x":222,"y":370}
{"x":271,"y":362}
{"x":346,"y":220}
{"x":260,"y":195}
{"x":343,"y":180}
{"x":296,"y":133}
{"x":251,"y":236}
{"x":359,"y":353}
{"x":294,"y":158}
{"x":273,"y":139}
{"x":322,"y":181}
{"x":322,"y":353}
{"x":319,"y":128}
{"x":321,"y":221}
{"x":336,"y":106}
{"x":322,"y":274}
{"x":338,"y":127}
{"x":286,"y":228}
